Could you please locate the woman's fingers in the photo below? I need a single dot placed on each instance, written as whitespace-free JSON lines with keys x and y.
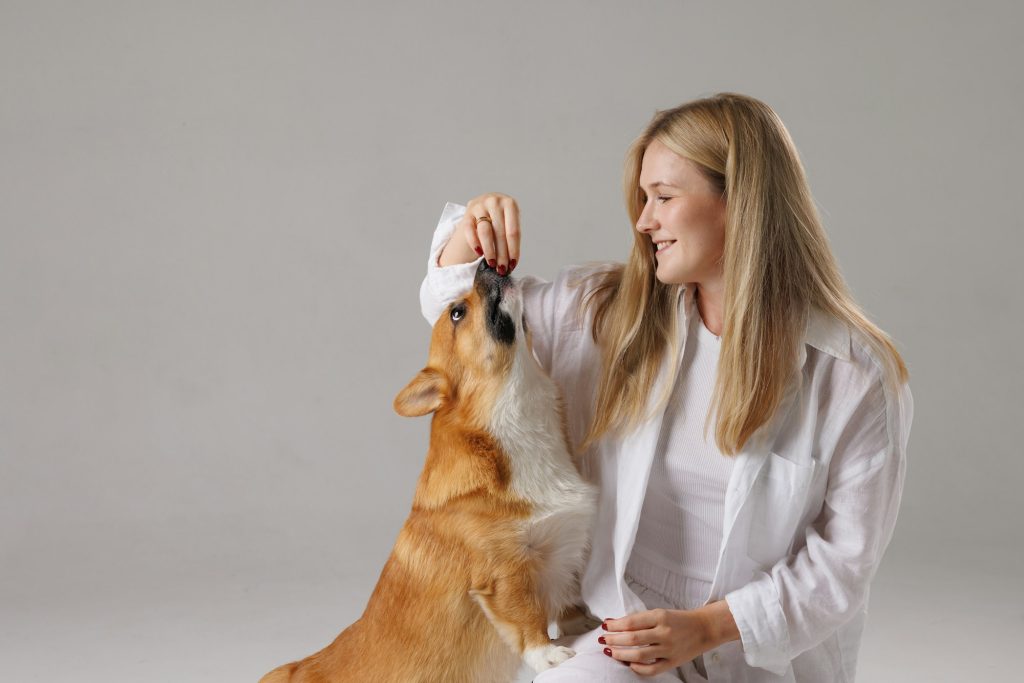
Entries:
{"x":631,"y":638}
{"x":468,"y":226}
{"x":512,"y":233}
{"x":500,"y":241}
{"x":636,"y":621}
{"x":640,"y":655}
{"x":491,"y":228}
{"x":485,"y":234}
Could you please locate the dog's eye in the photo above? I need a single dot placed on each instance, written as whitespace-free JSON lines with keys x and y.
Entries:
{"x":458,"y":313}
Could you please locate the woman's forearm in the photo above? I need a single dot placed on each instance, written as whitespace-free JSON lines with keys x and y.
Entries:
{"x":456,"y":251}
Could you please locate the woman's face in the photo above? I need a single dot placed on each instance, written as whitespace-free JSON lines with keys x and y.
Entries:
{"x":684,"y":212}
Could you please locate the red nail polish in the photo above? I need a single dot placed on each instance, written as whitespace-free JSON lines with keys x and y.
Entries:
{"x":604,"y":626}
{"x":479,"y":251}
{"x":491,"y":262}
{"x":608,"y":651}
{"x":501,"y":270}
{"x":601,"y":640}
{"x":512,"y":264}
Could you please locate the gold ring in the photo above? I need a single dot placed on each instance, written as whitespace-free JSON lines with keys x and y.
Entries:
{"x":484,"y":218}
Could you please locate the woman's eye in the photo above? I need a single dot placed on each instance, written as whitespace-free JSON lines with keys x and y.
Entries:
{"x":458,"y":313}
{"x":664,"y":197}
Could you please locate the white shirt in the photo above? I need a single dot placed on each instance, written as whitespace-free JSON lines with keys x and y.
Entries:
{"x":811,"y":502}
{"x":681,"y":520}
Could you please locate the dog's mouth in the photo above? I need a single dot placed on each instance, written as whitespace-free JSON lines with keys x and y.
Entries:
{"x":504,"y":304}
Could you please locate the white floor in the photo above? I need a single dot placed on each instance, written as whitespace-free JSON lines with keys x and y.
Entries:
{"x":935,"y":622}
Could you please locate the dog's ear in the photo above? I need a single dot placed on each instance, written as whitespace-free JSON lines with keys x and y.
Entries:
{"x":427,"y":392}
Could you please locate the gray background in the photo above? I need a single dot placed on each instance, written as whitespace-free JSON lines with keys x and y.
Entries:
{"x":214,"y":220}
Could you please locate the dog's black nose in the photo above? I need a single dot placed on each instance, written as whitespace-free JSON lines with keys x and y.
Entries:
{"x":488,"y":275}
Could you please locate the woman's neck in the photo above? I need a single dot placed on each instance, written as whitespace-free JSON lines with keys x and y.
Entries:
{"x":710,"y":310}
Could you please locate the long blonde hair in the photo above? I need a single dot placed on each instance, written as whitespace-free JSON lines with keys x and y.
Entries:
{"x":777,"y":262}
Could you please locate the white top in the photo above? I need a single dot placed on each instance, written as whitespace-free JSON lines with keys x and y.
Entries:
{"x":794,"y":571}
{"x":681,"y":521}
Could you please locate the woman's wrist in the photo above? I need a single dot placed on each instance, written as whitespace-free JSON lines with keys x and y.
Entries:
{"x":456,"y":251}
{"x":719,"y":625}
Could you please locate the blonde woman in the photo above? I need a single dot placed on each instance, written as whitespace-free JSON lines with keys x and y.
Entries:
{"x":745,"y":422}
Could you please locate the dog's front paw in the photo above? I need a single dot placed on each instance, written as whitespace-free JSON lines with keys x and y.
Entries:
{"x":547,"y":656}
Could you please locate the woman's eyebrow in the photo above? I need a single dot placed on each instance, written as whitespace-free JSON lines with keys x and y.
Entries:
{"x":661,"y":183}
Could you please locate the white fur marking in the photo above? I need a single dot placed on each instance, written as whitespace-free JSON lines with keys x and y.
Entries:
{"x":528,"y":426}
{"x":547,"y":656}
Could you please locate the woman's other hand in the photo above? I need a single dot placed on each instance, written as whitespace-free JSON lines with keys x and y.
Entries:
{"x":496,"y":239}
{"x":659,"y":640}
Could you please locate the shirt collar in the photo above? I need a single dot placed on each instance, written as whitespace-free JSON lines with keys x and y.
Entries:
{"x":827,"y":333}
{"x":822,"y":331}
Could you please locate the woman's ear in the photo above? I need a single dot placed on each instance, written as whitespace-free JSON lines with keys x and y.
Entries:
{"x":427,"y":392}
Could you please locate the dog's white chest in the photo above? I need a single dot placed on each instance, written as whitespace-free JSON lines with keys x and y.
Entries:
{"x":528,"y":427}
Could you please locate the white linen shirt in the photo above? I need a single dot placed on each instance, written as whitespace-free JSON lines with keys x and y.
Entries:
{"x":811,"y":502}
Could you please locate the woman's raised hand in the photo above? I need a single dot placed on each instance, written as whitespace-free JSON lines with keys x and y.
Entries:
{"x":490,"y":228}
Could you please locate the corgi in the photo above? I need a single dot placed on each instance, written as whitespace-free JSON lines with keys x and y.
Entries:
{"x":498,"y":535}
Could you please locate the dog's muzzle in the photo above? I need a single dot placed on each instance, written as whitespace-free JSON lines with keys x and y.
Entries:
{"x":504,"y":304}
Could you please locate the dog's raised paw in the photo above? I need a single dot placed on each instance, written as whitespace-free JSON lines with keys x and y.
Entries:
{"x":547,"y":656}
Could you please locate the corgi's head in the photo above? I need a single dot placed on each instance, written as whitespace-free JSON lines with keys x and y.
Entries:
{"x":479,"y":343}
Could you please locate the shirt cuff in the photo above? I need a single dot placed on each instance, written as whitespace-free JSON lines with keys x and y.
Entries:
{"x":757,"y":610}
{"x":444,"y":284}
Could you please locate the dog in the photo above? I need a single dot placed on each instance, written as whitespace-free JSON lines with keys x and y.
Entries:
{"x":498,"y":535}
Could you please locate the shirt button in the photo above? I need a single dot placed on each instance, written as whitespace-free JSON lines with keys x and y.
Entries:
{"x":715,"y":657}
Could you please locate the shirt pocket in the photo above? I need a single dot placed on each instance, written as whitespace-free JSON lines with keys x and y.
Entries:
{"x":780,"y":492}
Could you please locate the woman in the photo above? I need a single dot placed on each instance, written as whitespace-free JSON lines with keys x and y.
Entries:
{"x":747,"y":556}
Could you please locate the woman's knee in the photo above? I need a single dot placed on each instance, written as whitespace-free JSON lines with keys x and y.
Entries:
{"x":591,"y":667}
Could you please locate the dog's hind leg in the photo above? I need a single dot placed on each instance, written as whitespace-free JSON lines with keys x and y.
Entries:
{"x":511,"y":604}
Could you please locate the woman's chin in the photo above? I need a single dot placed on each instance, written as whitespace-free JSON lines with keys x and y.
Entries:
{"x":667,"y":277}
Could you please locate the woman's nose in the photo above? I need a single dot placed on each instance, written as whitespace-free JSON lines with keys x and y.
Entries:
{"x":644,"y":224}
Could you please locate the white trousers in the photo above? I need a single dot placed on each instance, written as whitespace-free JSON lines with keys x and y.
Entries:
{"x":592,"y":665}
